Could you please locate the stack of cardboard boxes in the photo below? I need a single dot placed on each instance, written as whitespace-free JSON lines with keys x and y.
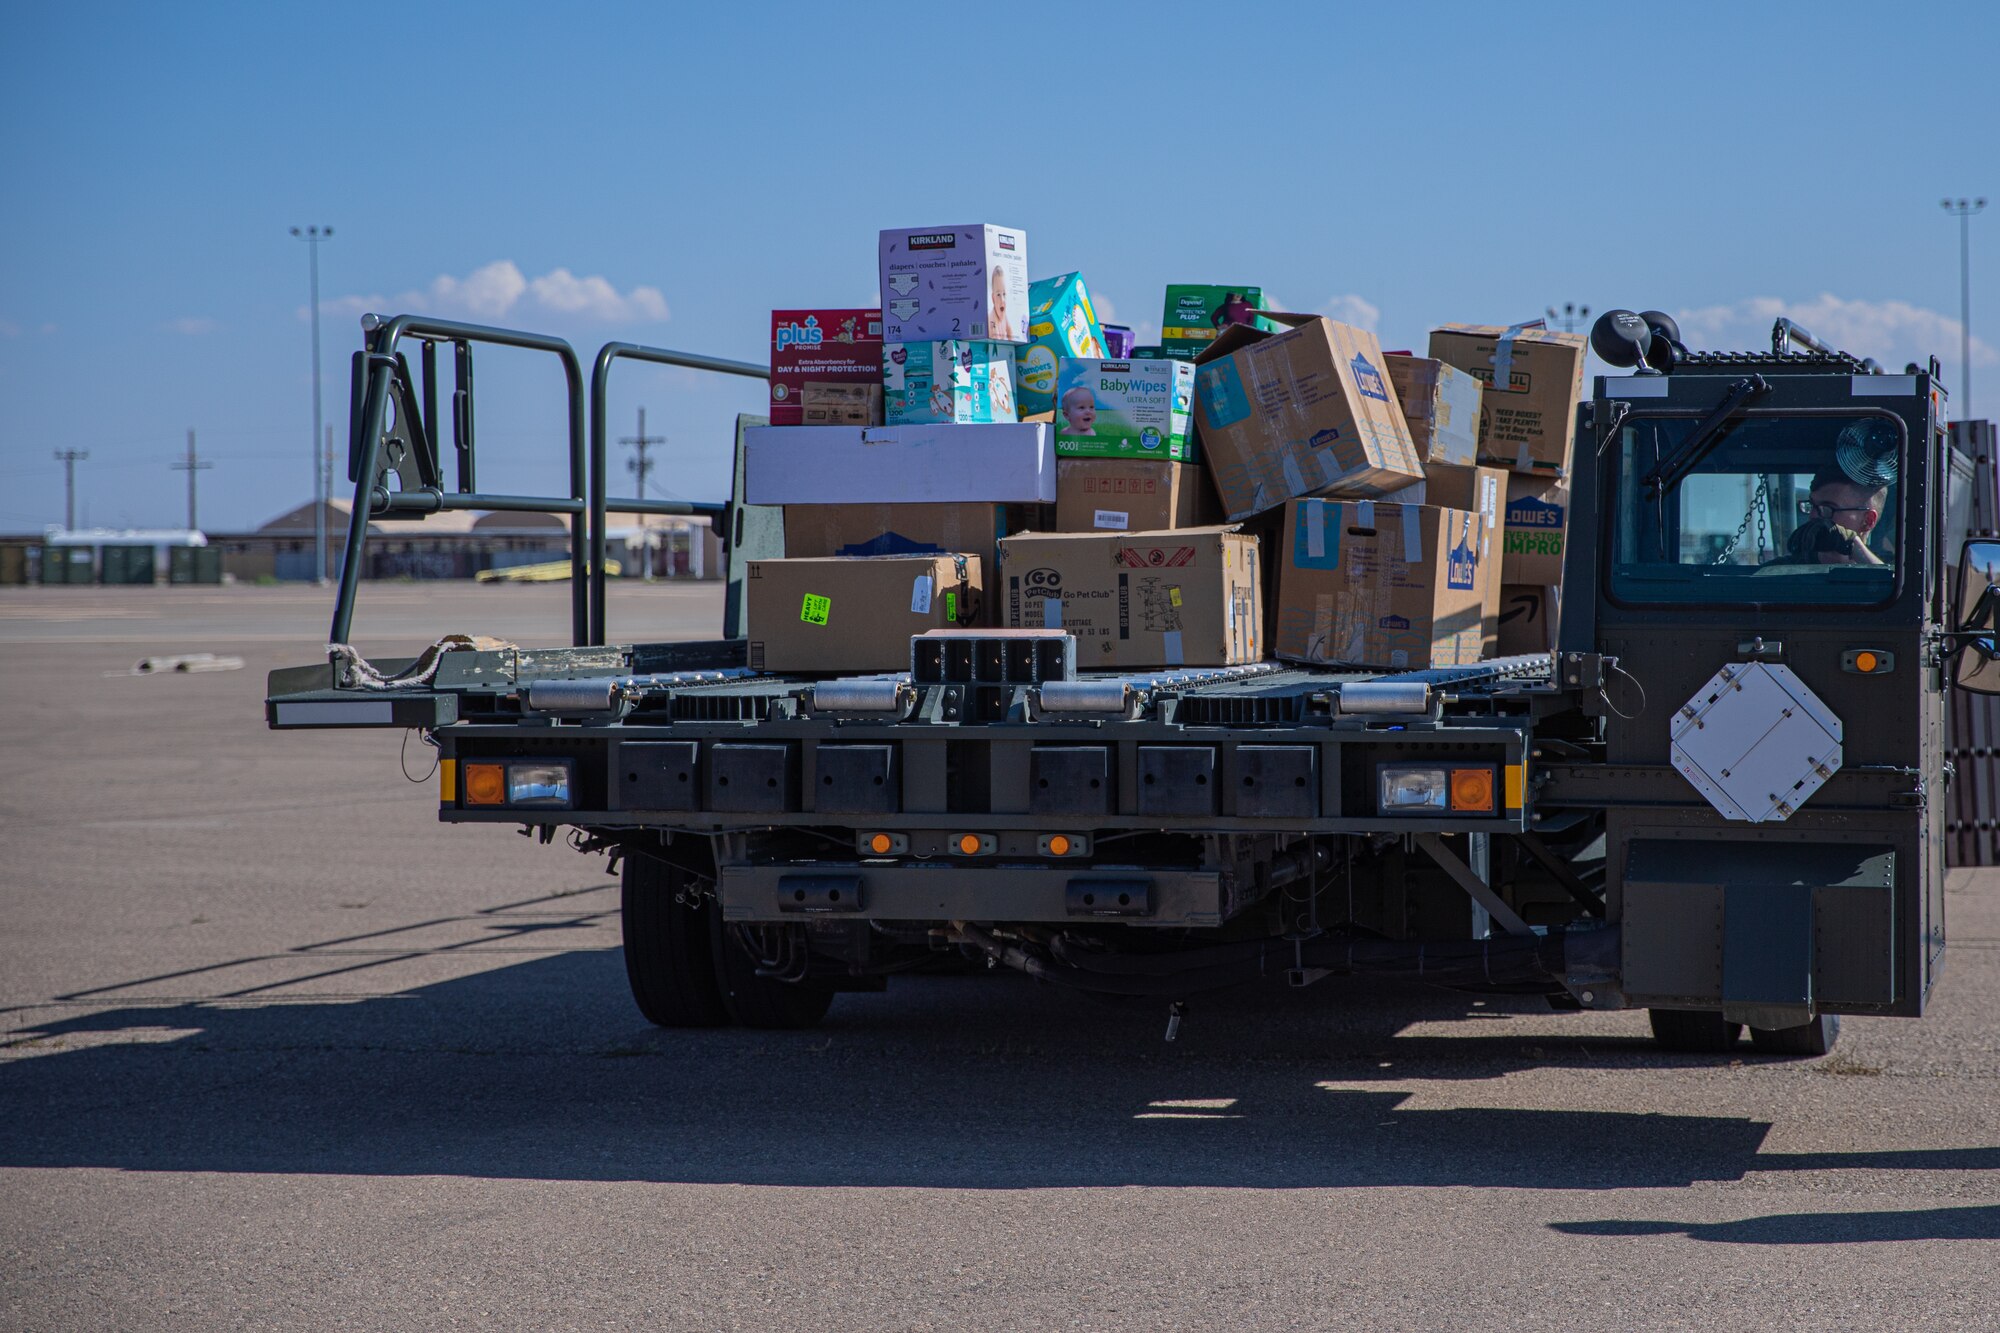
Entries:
{"x":979,"y":451}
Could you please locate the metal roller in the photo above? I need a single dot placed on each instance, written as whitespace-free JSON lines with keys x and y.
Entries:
{"x":1086,"y":696}
{"x":1385,"y":696}
{"x":595,"y":695}
{"x":861,"y":696}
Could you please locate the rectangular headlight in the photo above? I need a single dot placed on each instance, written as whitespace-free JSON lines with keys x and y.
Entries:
{"x":538,"y":783}
{"x":1413,"y":789}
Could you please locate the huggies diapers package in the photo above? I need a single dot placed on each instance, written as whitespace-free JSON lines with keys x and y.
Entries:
{"x":954,"y":282}
{"x":1125,"y":409}
{"x":950,"y":381}
{"x":1062,"y":322}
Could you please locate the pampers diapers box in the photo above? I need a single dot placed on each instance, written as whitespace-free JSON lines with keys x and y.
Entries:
{"x":1062,"y":322}
{"x":1125,"y":409}
{"x":954,"y":282}
{"x":966,"y":382}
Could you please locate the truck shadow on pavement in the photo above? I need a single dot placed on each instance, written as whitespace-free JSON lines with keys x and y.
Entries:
{"x":542,"y":1070}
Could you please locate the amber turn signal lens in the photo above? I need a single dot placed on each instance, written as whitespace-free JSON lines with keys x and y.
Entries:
{"x":1058,"y":845}
{"x":969,"y":844}
{"x":880,"y":843}
{"x":485,"y":784}
{"x":1865,"y":662}
{"x":1472,"y":789}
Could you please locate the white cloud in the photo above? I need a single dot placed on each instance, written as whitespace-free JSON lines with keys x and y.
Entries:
{"x":1893,"y":332}
{"x":499,"y":289}
{"x":1351,"y":309}
{"x":191,"y":326}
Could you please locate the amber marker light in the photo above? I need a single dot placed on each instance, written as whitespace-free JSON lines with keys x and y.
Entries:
{"x":969,"y":844}
{"x":1866,"y":662}
{"x":1058,"y":845}
{"x":485,"y":784}
{"x":1472,"y":790}
{"x":880,"y":844}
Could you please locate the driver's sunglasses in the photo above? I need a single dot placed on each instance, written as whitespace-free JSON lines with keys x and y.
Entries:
{"x":1820,"y":509}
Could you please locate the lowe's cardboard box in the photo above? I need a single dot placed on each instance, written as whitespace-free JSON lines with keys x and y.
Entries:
{"x":815,"y":348}
{"x":1128,"y":495}
{"x":1061,"y":323}
{"x":1536,"y":519}
{"x":1441,"y":405}
{"x":1125,"y":409}
{"x":1533,"y":381}
{"x":1303,"y":412}
{"x":1529,"y":619}
{"x":945,"y":464}
{"x":954,"y":380}
{"x":954,"y":282}
{"x":1377,"y":584}
{"x":853,"y":614}
{"x":1138,"y":599}
{"x":1483,"y":490}
{"x":909,"y":529}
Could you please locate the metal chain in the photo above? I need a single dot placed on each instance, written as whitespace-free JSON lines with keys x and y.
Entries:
{"x":1760,"y":510}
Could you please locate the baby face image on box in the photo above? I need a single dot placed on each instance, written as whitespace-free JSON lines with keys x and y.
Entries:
{"x":961,"y":382}
{"x":1062,"y":322}
{"x":954,"y":282}
{"x":1125,"y":409}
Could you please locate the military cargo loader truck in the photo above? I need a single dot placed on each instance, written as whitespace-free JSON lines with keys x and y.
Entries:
{"x":1721,"y":799}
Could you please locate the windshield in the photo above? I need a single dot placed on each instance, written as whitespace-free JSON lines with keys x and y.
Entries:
{"x":1779,"y":509}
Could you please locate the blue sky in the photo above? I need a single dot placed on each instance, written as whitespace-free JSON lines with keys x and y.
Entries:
{"x":669,"y":173}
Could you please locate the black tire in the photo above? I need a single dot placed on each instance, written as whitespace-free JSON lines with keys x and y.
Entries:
{"x":670,"y":947}
{"x":1814,"y":1038}
{"x":1695,"y":1031}
{"x":764,"y":1002}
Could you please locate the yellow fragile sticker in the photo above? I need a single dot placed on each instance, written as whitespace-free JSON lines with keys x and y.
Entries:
{"x":814,"y":610}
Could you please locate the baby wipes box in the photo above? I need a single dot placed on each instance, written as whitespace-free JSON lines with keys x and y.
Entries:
{"x":1125,"y":409}
{"x":954,"y":282}
{"x":1062,"y":322}
{"x":965,"y":382}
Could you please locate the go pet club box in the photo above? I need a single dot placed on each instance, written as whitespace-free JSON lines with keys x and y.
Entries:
{"x":954,"y":282}
{"x":1375,"y":584}
{"x":1125,"y":409}
{"x":1061,"y":323}
{"x":951,"y":381}
{"x":821,"y":348}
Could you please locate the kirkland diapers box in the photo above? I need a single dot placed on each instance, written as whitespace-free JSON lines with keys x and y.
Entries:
{"x":1128,"y":495}
{"x":908,"y":529}
{"x":1376,"y":584}
{"x":1303,"y":412}
{"x":1441,"y":405}
{"x":853,"y":614}
{"x":954,"y":380}
{"x":1139,"y":599}
{"x":1533,"y":381}
{"x":954,"y":282}
{"x":1537,"y":516}
{"x":1124,"y":409}
{"x":946,"y":464}
{"x":822,"y":347}
{"x":1061,"y":323}
{"x":1195,"y":314}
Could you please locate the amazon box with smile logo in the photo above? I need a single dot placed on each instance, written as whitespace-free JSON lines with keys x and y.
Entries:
{"x":1309,"y":411}
{"x":1188,"y":597}
{"x":943,"y":283}
{"x":1370,"y":584}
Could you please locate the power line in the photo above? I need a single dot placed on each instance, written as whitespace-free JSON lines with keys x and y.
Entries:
{"x":69,"y":458}
{"x":190,"y":466}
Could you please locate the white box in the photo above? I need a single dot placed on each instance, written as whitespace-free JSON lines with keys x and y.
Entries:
{"x":954,"y":282}
{"x":1003,"y":463}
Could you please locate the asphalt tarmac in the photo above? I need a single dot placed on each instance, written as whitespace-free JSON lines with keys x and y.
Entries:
{"x":279,"y":1050}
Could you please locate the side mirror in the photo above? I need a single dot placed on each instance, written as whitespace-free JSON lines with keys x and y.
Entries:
{"x":1976,"y":664}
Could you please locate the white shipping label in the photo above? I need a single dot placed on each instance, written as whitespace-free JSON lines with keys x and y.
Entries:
{"x":1111,"y":518}
{"x":920,"y":596}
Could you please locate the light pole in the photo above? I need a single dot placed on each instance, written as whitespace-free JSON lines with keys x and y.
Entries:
{"x":312,"y":236}
{"x":1964,"y":210}
{"x":1571,"y":316}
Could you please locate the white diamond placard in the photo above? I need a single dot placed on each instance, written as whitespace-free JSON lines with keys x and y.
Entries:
{"x":1756,"y":742}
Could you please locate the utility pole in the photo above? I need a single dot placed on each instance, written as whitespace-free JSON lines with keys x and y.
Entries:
{"x":1964,"y":210}
{"x":69,"y":458}
{"x":312,"y":236}
{"x":642,"y":442}
{"x":191,"y":467}
{"x":1571,"y":316}
{"x":326,"y":483}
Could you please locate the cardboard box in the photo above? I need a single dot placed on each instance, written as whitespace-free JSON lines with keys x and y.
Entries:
{"x":1533,"y":381}
{"x":909,"y":529}
{"x":954,"y":282}
{"x":1441,"y":406}
{"x":821,"y":347}
{"x":1125,"y":409}
{"x":857,"y":614}
{"x":955,"y":380}
{"x":1303,"y":412}
{"x":1482,"y":490}
{"x":1062,"y":322}
{"x":840,"y":404}
{"x":1529,"y":619}
{"x":945,"y":464}
{"x":1128,"y":495}
{"x":1194,"y":314}
{"x":1536,"y":519}
{"x":1142,"y":599}
{"x":1377,"y":584}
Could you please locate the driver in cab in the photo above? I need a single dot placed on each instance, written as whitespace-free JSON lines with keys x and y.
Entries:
{"x":1847,"y":500}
